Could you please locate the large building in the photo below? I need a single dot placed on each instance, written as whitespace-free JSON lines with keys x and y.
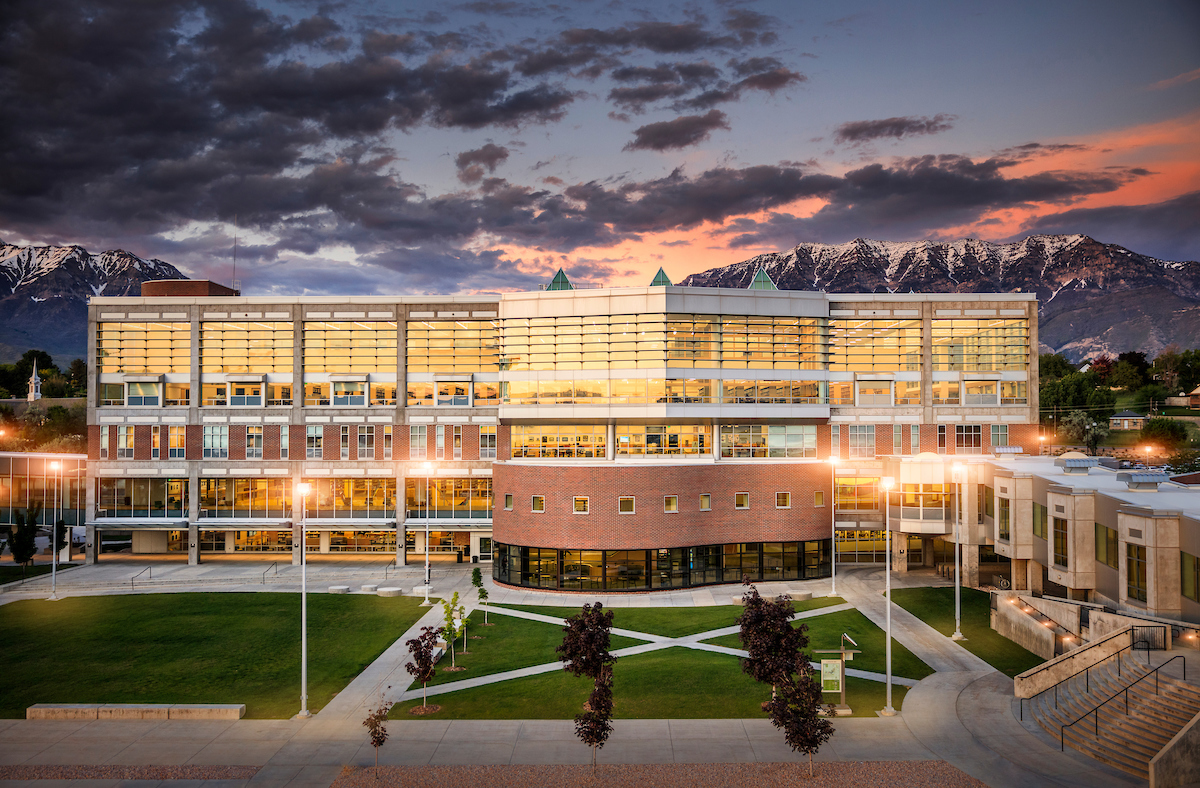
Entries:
{"x":612,"y":439}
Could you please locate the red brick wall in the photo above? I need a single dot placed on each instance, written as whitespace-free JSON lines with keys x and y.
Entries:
{"x":331,"y":442}
{"x":503,"y":442}
{"x":237,"y":441}
{"x":93,"y":433}
{"x":651,"y":527}
{"x":470,"y":442}
{"x":271,"y":441}
{"x":194,"y":442}
{"x":141,"y":442}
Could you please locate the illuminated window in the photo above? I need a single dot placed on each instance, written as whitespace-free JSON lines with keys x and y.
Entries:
{"x":1061,"y":550}
{"x":968,"y":439}
{"x":539,"y":503}
{"x":144,"y":348}
{"x":862,"y":440}
{"x":508,"y":501}
{"x":487,"y":442}
{"x":671,"y":504}
{"x":635,"y":440}
{"x":705,"y":502}
{"x":314,"y":437}
{"x":979,"y":392}
{"x":888,"y":345}
{"x":417,"y":441}
{"x":284,"y":436}
{"x":768,"y":440}
{"x":254,"y":442}
{"x":1107,"y":545}
{"x":783,"y":500}
{"x":366,"y":442}
{"x":452,"y":347}
{"x":154,"y":442}
{"x":625,"y":505}
{"x":177,"y":441}
{"x":387,"y":441}
{"x":246,"y":347}
{"x":216,"y":442}
{"x":354,"y":347}
{"x":577,"y":441}
{"x":741,"y":500}
{"x":980,"y":345}
{"x":580,"y":505}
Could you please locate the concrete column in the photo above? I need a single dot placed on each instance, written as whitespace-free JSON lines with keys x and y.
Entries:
{"x":324,"y":537}
{"x":716,"y":442}
{"x":899,"y":552}
{"x":230,"y":538}
{"x":91,"y":549}
{"x":970,"y":569}
{"x":610,"y":443}
{"x":1020,"y":574}
{"x":928,"y":558}
{"x":1035,"y":578}
{"x":193,"y":538}
{"x":401,"y":550}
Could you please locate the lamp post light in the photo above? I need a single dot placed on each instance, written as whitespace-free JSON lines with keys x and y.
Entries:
{"x":429,"y":469}
{"x":958,"y":469}
{"x":1041,"y":445}
{"x":302,"y":490}
{"x":886,"y":483}
{"x":833,"y":461}
{"x":57,"y":466}
{"x":1148,"y":456}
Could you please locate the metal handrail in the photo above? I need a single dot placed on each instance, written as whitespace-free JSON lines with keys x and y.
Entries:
{"x":149,"y":569}
{"x":274,"y":566}
{"x":1096,"y":709}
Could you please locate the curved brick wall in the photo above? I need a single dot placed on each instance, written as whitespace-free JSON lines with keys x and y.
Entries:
{"x":650,"y":527}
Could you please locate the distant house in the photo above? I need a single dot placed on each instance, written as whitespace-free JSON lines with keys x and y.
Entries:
{"x":1194,"y":396}
{"x":1126,"y":420}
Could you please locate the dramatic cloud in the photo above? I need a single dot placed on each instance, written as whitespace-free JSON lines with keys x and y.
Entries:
{"x":1168,"y":230}
{"x":678,"y":133}
{"x":859,"y":131}
{"x":472,"y":163}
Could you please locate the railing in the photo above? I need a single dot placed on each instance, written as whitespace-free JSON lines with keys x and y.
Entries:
{"x":1134,"y":644}
{"x":1062,"y":743}
{"x":149,"y":569}
{"x":274,"y":566}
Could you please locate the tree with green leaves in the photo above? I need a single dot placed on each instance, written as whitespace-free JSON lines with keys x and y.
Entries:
{"x":1184,"y":462}
{"x":480,"y":592}
{"x":376,"y":725}
{"x":23,"y":539}
{"x":456,"y":622}
{"x":62,"y":536}
{"x":1085,"y":428}
{"x":1126,"y":375}
{"x":421,"y":648}
{"x":1052,"y":366}
{"x":1167,"y":433}
{"x":584,"y":652}
{"x":775,"y":656}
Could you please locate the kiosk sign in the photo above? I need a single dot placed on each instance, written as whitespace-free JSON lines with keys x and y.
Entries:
{"x":831,"y":675}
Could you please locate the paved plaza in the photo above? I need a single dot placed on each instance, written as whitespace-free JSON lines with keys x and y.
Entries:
{"x":963,"y":713}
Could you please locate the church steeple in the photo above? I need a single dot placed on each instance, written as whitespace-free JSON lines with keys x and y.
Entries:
{"x":35,"y":384}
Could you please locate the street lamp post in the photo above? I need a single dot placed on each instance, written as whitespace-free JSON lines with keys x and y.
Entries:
{"x":56,"y":465}
{"x":958,"y":468}
{"x":886,"y":483}
{"x":302,"y":490}
{"x":429,"y":468}
{"x":833,"y":460}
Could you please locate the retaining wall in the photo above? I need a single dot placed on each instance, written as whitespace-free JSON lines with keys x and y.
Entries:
{"x":1178,"y":763}
{"x":1034,"y":680}
{"x":1011,"y":622}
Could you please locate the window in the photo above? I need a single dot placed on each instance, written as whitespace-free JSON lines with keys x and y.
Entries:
{"x":914,"y":437}
{"x":660,"y":439}
{"x":457,"y":394}
{"x":819,"y":499}
{"x":968,"y":439}
{"x":783,"y":500}
{"x":111,"y":394}
{"x":886,"y":345}
{"x":104,"y":435}
{"x":350,"y":348}
{"x":1189,"y":567}
{"x":245,"y":394}
{"x":387,"y":441}
{"x":857,"y":494}
{"x":835,"y":440}
{"x":741,"y":500}
{"x":874,"y":392}
{"x":453,"y":347}
{"x":908,"y":392}
{"x":279,"y":394}
{"x":487,"y":442}
{"x":246,"y":347}
{"x":124,"y":443}
{"x":862,"y":440}
{"x":487,"y":392}
{"x":559,"y":441}
{"x":980,"y":345}
{"x":1135,"y":571}
{"x":142,"y":394}
{"x":945,"y":392}
{"x":1013,"y":393}
{"x":350,"y":393}
{"x":176,"y":442}
{"x":366,"y":442}
{"x":254,"y":443}
{"x":508,"y":501}
{"x":1106,"y":546}
{"x":941,"y":439}
{"x":439,"y":452}
{"x":625,"y":505}
{"x":1060,"y":542}
{"x":143,"y":348}
{"x":284,"y":434}
{"x":212,"y":394}
{"x":155,"y":432}
{"x":457,"y":441}
{"x":671,"y":504}
{"x":1004,"y":521}
{"x":314,"y":437}
{"x":774,"y":440}
{"x":539,"y":503}
{"x":1040,"y":519}
{"x":216,"y":442}
{"x":580,"y":505}
{"x":345,"y":442}
{"x":705,"y":502}
{"x":897,"y":439}
{"x":999,"y":435}
{"x":976,"y":392}
{"x":417,"y":443}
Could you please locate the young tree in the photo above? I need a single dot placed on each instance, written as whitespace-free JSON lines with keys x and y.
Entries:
{"x":450,"y":611}
{"x":23,"y":540}
{"x":1167,"y":433}
{"x":421,"y":668}
{"x":584,"y":652}
{"x":776,"y":657}
{"x":480,"y":592}
{"x":376,"y":724}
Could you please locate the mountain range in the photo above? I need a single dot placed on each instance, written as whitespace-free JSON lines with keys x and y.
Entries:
{"x":48,"y":287}
{"x":1092,"y":297}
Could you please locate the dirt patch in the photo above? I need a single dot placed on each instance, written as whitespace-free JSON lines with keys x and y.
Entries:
{"x":422,"y":711}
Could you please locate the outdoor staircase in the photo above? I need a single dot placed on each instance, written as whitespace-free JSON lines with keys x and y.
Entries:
{"x":1125,"y":741}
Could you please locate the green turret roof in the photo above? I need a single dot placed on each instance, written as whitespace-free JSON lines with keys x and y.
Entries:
{"x":762,"y":281}
{"x":660,"y":279}
{"x":560,"y":282}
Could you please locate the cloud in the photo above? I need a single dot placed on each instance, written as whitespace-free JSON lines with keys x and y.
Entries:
{"x":859,"y":131}
{"x":1176,"y":81}
{"x":1167,"y":229}
{"x":471,"y":163}
{"x":1033,"y":149}
{"x":679,"y":133}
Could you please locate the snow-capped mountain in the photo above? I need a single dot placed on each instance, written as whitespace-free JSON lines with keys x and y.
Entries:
{"x":44,"y":292}
{"x":1093,"y":297}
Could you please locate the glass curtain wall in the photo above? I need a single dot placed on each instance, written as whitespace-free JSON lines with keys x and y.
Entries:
{"x":442,"y":498}
{"x":26,"y":480}
{"x":151,"y":498}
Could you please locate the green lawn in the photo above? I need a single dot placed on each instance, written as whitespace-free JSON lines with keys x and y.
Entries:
{"x":192,"y":648}
{"x":509,"y":644}
{"x":674,"y":622}
{"x":10,"y":573}
{"x":826,"y":632}
{"x":674,"y":683}
{"x":935,"y":606}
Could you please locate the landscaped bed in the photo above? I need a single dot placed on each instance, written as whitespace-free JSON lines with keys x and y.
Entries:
{"x":192,"y":648}
{"x":935,"y":606}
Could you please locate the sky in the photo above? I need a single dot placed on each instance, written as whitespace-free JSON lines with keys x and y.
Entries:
{"x":378,"y":147}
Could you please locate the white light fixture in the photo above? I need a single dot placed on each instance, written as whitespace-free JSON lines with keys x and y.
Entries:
{"x":887,"y":482}
{"x":302,"y":491}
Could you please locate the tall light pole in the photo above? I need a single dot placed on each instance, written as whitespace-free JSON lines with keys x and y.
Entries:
{"x":428,"y":468}
{"x":886,"y":483}
{"x":833,"y":461}
{"x":57,"y":466}
{"x":302,"y":491}
{"x":957,"y":469}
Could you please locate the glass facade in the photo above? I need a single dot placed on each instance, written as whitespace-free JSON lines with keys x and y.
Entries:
{"x":25,"y":480}
{"x":639,"y":570}
{"x":441,"y":498}
{"x":144,"y":348}
{"x":981,"y":345}
{"x":658,"y":440}
{"x":452,"y":346}
{"x":743,"y":441}
{"x":875,"y":345}
{"x":150,"y":498}
{"x":352,"y":498}
{"x":252,"y":497}
{"x":356,"y":347}
{"x":246,"y":347}
{"x":572,"y":441}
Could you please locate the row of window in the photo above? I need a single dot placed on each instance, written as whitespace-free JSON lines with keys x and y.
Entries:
{"x":627,"y":504}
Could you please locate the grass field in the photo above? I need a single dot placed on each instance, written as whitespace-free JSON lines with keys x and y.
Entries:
{"x":674,"y":683}
{"x":935,"y":606}
{"x":10,"y":573}
{"x":192,"y":648}
{"x":508,"y":644}
{"x":826,"y":632}
{"x":674,"y":622}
